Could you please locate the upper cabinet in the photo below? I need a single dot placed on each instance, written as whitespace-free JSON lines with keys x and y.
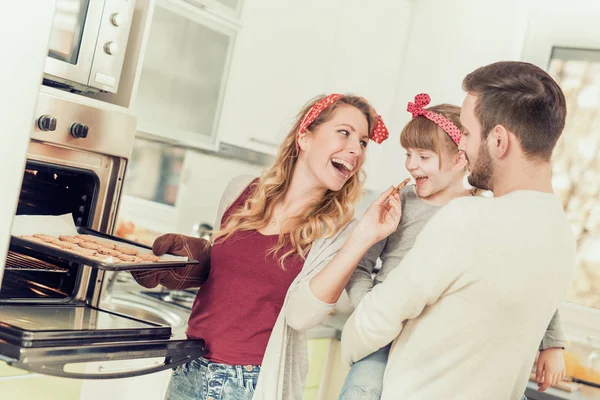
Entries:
{"x":288,"y":53}
{"x":280,"y":63}
{"x":183,"y":74}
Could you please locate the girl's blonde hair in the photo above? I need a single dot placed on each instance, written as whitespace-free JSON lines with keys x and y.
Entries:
{"x":422,"y":133}
{"x":322,"y":218}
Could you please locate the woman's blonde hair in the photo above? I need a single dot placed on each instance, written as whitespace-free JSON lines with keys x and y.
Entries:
{"x":322,"y":218}
{"x":422,"y":133}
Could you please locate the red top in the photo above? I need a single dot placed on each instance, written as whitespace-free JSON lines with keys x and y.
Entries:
{"x":236,"y":309}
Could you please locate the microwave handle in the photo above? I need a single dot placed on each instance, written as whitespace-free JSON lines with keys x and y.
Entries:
{"x":58,"y":369}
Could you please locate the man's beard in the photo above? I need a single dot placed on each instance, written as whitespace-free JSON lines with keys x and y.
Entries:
{"x":481,"y":173}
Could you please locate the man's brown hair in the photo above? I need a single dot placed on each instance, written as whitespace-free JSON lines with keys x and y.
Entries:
{"x":524,"y":99}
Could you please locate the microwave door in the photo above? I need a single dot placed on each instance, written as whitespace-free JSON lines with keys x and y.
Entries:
{"x":46,"y":339}
{"x":73,"y":39}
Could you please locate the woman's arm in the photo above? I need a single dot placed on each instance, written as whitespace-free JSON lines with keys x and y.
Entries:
{"x":379,"y":221}
{"x":310,"y":300}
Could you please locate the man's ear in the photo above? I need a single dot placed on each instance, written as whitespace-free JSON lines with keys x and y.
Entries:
{"x":460,"y":161}
{"x":500,"y":137}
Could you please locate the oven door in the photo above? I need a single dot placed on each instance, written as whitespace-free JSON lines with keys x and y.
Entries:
{"x":50,"y":339}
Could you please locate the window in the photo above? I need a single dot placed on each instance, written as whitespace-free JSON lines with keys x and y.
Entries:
{"x":576,"y":164}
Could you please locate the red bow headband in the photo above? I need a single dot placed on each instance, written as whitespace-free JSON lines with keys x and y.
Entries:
{"x":416,"y":109}
{"x":380,"y":133}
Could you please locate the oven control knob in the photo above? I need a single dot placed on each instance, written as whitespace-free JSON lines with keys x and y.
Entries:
{"x":111,"y":48}
{"x":46,"y":123}
{"x":79,"y":131}
{"x":117,"y":19}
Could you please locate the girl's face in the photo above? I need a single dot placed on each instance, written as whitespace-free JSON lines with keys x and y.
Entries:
{"x":431,"y":178}
{"x":335,"y":150}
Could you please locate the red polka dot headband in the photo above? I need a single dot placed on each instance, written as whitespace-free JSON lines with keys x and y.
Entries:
{"x":416,"y":109}
{"x":380,"y":133}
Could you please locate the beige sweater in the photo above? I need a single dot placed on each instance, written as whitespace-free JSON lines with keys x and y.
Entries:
{"x":285,"y":364}
{"x":468,"y":305}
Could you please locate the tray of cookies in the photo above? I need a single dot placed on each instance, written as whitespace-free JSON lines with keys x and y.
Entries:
{"x":57,"y":236}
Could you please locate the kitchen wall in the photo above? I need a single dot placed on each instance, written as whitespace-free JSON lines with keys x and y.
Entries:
{"x":205,"y":177}
{"x":450,"y":38}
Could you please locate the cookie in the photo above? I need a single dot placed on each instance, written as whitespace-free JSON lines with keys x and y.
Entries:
{"x":87,"y":238}
{"x":65,"y":245}
{"x":126,"y":258}
{"x":32,"y":238}
{"x":70,"y":239}
{"x":149,"y":257}
{"x":90,"y":245}
{"x":45,"y":238}
{"x":83,"y":251}
{"x":108,"y":251}
{"x":127,"y":250}
{"x":106,"y":244}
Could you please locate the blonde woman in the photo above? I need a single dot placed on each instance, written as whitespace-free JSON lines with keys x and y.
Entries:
{"x":274,"y":234}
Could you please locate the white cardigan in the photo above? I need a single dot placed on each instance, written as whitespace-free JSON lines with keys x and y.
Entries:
{"x":285,"y":364}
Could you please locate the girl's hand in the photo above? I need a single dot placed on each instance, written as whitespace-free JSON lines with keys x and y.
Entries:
{"x":381,"y":218}
{"x":550,"y":368}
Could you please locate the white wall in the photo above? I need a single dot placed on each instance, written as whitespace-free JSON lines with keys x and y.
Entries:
{"x":24,"y":50}
{"x":449,"y":39}
{"x":204,"y":180}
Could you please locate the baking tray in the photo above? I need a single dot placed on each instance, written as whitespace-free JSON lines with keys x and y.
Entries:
{"x":64,"y":255}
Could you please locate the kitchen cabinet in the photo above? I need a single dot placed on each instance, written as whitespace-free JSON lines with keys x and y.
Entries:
{"x":279,"y":64}
{"x":366,"y":59}
{"x":287,"y":54}
{"x":326,"y":372}
{"x":183,"y":74}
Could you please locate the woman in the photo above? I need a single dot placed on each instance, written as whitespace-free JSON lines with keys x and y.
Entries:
{"x":275,"y":234}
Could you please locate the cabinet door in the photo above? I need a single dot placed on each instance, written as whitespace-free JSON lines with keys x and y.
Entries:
{"x":183,"y":74}
{"x":366,"y":58}
{"x":280,"y":63}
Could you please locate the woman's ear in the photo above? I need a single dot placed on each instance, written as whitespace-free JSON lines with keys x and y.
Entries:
{"x":460,"y":162}
{"x":303,"y":140}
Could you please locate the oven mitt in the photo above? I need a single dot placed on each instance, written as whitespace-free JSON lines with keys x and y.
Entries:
{"x":190,"y":276}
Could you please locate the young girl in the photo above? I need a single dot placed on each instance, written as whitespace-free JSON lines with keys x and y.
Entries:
{"x":432,"y":158}
{"x":274,"y":233}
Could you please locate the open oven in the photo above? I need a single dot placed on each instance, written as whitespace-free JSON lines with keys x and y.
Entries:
{"x":49,"y":304}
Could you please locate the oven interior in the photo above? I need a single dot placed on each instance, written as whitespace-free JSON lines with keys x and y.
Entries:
{"x":49,"y":189}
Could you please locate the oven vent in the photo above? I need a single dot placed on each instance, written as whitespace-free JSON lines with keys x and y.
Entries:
{"x":21,"y":262}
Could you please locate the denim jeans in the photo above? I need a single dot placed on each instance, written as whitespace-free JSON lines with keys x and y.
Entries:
{"x":365,"y":379}
{"x":203,"y":380}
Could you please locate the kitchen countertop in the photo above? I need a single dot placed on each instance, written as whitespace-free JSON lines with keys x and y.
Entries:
{"x":584,"y":393}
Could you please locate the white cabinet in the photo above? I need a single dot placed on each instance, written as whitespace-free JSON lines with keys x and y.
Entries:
{"x":280,"y":63}
{"x":366,"y":59}
{"x":183,"y":74}
{"x":288,"y":53}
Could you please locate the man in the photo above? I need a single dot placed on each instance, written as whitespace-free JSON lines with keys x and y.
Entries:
{"x":467,"y":306}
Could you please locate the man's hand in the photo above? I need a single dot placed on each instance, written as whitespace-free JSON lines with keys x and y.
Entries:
{"x":550,"y":368}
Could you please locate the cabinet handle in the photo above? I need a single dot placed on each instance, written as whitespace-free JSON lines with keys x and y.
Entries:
{"x":263,"y":142}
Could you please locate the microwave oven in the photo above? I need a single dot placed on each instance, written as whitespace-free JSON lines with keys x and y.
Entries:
{"x":87,"y":44}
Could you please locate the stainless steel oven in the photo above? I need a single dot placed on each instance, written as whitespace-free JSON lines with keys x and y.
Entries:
{"x":87,"y":44}
{"x":50,"y":314}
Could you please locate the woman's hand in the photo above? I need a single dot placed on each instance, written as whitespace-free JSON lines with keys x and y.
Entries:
{"x":190,"y":276}
{"x":181,"y":245}
{"x":381,"y":218}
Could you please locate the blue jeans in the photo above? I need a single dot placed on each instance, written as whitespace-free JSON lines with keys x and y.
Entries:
{"x":365,"y":379}
{"x":203,"y":380}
